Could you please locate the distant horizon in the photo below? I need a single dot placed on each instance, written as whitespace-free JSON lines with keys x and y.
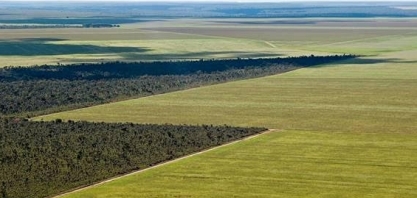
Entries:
{"x":218,"y":1}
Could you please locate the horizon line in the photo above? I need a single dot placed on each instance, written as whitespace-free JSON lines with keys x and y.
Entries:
{"x":219,"y":1}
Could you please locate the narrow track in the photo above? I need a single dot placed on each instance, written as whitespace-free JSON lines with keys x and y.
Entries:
{"x":270,"y":44}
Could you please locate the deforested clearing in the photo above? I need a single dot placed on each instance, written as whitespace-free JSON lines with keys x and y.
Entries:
{"x":344,"y":128}
{"x":283,"y":164}
{"x":348,"y":127}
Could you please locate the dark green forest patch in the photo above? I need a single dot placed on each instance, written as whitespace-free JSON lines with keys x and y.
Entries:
{"x":40,"y":159}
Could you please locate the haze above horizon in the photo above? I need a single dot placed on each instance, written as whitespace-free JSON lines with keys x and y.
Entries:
{"x":218,"y":1}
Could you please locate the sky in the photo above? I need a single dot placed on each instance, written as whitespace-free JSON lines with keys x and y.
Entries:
{"x":243,"y":1}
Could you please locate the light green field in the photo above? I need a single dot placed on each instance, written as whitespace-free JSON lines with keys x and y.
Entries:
{"x":369,"y":46}
{"x":173,"y":49}
{"x":368,"y":97}
{"x":25,"y":53}
{"x":284,"y":164}
{"x":349,"y":129}
{"x":201,"y":38}
{"x":52,"y":46}
{"x":142,"y":50}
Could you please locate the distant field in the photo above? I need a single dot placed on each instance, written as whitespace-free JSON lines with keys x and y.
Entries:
{"x":361,"y":36}
{"x":22,"y":48}
{"x":283,"y":164}
{"x":201,"y":38}
{"x":88,"y":34}
{"x":288,"y":33}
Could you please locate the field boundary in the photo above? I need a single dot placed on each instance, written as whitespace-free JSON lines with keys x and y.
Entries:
{"x":117,"y":100}
{"x":270,"y":44}
{"x":164,"y":163}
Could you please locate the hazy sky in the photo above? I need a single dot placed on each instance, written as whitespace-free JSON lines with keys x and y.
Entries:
{"x":228,"y":0}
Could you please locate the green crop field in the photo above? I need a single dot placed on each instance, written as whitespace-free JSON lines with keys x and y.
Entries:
{"x":283,"y":164}
{"x":62,"y":47}
{"x":366,"y":95}
{"x":174,"y":39}
{"x":349,"y":129}
{"x":64,"y":52}
{"x":23,"y":47}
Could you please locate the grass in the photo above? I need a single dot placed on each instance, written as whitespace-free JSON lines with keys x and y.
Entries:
{"x":349,"y":128}
{"x":370,"y":46}
{"x":283,"y":164}
{"x":371,"y":97}
{"x":89,"y":34}
{"x":23,"y":53}
{"x":201,"y":38}
{"x":287,"y":34}
{"x":34,"y":51}
{"x":186,"y":49}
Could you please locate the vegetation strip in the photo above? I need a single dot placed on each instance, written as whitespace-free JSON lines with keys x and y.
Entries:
{"x":123,"y":70}
{"x":48,"y":89}
{"x":58,"y":156}
{"x":166,"y":163}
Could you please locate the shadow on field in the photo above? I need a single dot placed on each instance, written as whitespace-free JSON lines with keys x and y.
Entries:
{"x":40,"y":40}
{"x":197,"y":55}
{"x":383,"y":60}
{"x":41,"y":46}
{"x":287,"y":22}
{"x":369,"y":61}
{"x":74,"y":21}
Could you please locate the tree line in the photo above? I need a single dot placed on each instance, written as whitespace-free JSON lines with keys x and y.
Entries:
{"x":39,"y":159}
{"x":35,"y":97}
{"x":30,"y":91}
{"x":111,"y":70}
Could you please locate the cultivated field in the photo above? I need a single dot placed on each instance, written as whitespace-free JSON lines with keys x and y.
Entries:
{"x":283,"y":164}
{"x":367,"y":95}
{"x":349,"y":128}
{"x":170,"y":39}
{"x":130,"y":43}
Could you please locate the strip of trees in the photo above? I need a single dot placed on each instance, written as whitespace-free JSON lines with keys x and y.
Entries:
{"x":40,"y":159}
{"x":30,"y":91}
{"x":117,"y":70}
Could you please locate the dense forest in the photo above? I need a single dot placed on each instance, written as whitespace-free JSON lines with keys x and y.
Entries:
{"x":29,"y":91}
{"x":41,"y":159}
{"x":111,"y":70}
